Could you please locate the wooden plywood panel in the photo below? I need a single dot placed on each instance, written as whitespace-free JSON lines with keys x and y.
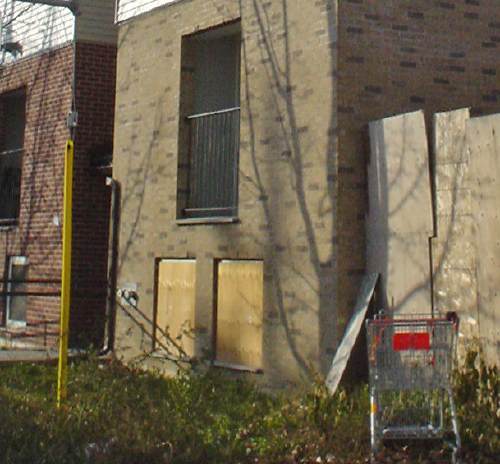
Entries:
{"x":239,"y":312}
{"x":176,"y":303}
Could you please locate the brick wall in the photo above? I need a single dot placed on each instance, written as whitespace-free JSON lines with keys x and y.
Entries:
{"x":47,"y":81}
{"x":396,"y":57}
{"x":95,"y":100}
{"x":287,"y":174}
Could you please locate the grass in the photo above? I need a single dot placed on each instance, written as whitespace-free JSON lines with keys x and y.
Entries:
{"x":118,"y":415}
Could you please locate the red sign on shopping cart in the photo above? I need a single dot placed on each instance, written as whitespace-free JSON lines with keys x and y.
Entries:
{"x":411,"y":341}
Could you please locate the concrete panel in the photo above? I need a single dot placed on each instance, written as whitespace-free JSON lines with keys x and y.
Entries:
{"x":400,"y":219}
{"x":449,"y":136}
{"x":453,"y":249}
{"x":351,"y":334}
{"x":239,"y":312}
{"x":483,"y":137}
{"x":399,"y":173}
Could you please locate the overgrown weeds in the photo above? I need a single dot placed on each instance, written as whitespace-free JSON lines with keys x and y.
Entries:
{"x":477,"y":391}
{"x":119,"y":415}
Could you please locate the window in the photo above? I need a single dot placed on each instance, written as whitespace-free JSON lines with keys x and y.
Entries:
{"x":210,"y":124}
{"x":175,"y":306}
{"x":239,"y":313}
{"x":13,"y":119}
{"x":17,"y":274}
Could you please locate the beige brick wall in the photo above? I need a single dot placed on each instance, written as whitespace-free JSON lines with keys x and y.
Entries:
{"x":287,"y":173}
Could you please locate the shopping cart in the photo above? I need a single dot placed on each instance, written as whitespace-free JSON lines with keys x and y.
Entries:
{"x":410,"y":361}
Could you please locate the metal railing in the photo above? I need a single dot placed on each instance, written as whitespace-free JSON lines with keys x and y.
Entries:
{"x":10,"y":184}
{"x":213,"y":176}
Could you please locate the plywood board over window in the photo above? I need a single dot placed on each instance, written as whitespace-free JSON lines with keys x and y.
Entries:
{"x":175,"y":305}
{"x":239,"y":312}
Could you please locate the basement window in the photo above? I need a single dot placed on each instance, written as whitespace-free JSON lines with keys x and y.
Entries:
{"x":12,"y":123}
{"x":16,"y":301}
{"x":209,"y":130}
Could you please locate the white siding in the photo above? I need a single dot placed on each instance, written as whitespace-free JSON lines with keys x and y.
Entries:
{"x":96,"y":21}
{"x":129,"y":8}
{"x":35,"y":27}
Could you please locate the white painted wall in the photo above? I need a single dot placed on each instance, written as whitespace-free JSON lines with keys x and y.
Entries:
{"x":127,"y":9}
{"x":35,"y":27}
{"x":41,"y":27}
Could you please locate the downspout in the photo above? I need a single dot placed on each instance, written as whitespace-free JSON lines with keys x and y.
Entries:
{"x":109,"y":335}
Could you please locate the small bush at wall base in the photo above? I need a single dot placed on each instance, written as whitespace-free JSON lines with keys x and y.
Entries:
{"x":477,"y":391}
{"x":119,"y":415}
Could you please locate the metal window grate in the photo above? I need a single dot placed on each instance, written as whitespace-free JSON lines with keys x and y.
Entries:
{"x":213,"y":179}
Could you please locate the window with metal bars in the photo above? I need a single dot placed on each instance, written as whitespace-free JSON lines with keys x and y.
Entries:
{"x":210,"y":123}
{"x":13,"y":120}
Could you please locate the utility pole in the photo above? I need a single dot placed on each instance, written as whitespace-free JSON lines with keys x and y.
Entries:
{"x":62,"y":371}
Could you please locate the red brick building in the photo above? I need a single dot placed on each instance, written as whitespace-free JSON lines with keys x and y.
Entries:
{"x":36,"y":87}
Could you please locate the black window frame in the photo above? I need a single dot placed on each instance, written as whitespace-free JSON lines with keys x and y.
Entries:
{"x":209,"y":140}
{"x":11,"y":155}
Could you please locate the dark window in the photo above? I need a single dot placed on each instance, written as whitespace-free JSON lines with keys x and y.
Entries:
{"x":210,"y":123}
{"x":13,"y":120}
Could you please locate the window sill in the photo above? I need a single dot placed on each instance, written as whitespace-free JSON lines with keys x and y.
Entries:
{"x":162,"y":354}
{"x":8,"y":224}
{"x":237,"y":367}
{"x":14,"y":326}
{"x":207,"y":220}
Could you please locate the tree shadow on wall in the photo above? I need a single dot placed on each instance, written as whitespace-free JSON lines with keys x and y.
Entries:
{"x":282,"y":101}
{"x":277,"y":54}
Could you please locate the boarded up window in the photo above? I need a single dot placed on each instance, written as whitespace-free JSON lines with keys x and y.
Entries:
{"x":239,"y":313}
{"x":176,"y":302}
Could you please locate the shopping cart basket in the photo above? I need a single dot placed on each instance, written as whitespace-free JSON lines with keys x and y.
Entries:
{"x":410,"y":360}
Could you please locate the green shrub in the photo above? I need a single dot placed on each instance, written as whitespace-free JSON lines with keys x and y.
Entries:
{"x":120,"y":415}
{"x":477,"y":393}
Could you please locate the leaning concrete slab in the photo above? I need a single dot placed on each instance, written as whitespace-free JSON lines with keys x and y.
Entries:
{"x":400,"y":217}
{"x":453,"y":251}
{"x":346,"y":346}
{"x":483,"y":138}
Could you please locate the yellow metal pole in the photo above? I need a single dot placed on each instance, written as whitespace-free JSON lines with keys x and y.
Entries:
{"x":62,"y":374}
